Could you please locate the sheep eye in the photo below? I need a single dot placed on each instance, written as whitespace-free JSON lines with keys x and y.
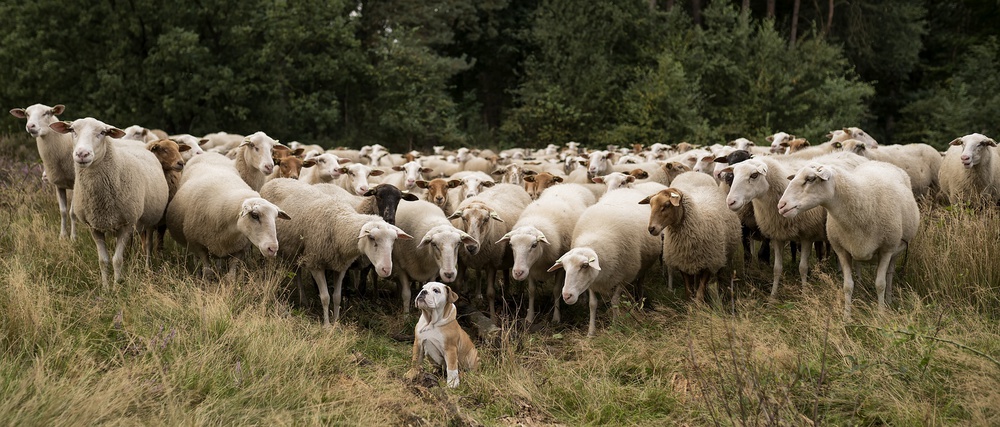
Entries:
{"x":534,"y":245}
{"x":583,"y":266}
{"x":755,"y":175}
{"x":255,"y":215}
{"x":811,"y":179}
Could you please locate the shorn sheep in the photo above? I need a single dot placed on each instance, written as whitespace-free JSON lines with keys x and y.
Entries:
{"x":542,"y":233}
{"x":327,"y":233}
{"x":700,"y":233}
{"x":610,"y":248}
{"x":970,"y":172}
{"x":872,"y":215}
{"x":435,"y":254}
{"x":216,"y":213}
{"x":56,"y":151}
{"x":119,"y":187}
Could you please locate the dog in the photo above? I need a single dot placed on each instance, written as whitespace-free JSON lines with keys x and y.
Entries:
{"x":438,"y":336}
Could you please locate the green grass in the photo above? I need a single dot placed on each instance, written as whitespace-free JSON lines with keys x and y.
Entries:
{"x":165,"y":348}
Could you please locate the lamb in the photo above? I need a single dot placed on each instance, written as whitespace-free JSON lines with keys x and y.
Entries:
{"x":536,"y":184}
{"x":434,"y":255}
{"x":168,"y":153}
{"x":921,"y":162}
{"x":328,"y":234}
{"x":192,"y":142}
{"x":871,"y":214}
{"x":216,"y":213}
{"x":118,"y":187}
{"x":970,"y":171}
{"x":604,"y":259}
{"x":487,"y":217}
{"x":541,"y":234}
{"x":700,"y":233}
{"x":253,"y":159}
{"x":761,"y":181}
{"x":56,"y":152}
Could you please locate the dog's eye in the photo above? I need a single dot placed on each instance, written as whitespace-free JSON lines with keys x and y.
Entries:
{"x":437,"y":291}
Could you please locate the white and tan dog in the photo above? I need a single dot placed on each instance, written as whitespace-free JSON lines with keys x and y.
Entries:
{"x":438,"y":336}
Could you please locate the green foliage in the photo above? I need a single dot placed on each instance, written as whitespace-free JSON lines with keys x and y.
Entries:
{"x":963,"y":104}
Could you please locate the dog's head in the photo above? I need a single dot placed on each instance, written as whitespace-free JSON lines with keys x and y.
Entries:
{"x":435,"y":296}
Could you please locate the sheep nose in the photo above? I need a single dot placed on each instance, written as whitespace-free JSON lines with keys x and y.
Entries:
{"x":652,"y":230}
{"x":518,"y":274}
{"x":385,"y":271}
{"x":271,"y":250}
{"x":439,"y":199}
{"x":567,"y":296}
{"x":965,"y":158}
{"x":449,"y":275}
{"x":362,"y":189}
{"x":268,"y":168}
{"x":293,"y":176}
{"x":473,"y":249}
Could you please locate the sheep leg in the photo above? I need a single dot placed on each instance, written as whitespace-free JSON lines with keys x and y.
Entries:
{"x":102,"y":255}
{"x":404,"y":291}
{"x":702,"y":279}
{"x":556,"y":290}
{"x":337,"y":286}
{"x":846,"y":265}
{"x":63,"y":213}
{"x":638,"y":285}
{"x":804,"y":263}
{"x":530,"y":316}
{"x":889,"y":273}
{"x":764,"y":254}
{"x":121,"y":242}
{"x":324,"y":294}
{"x":747,"y":244}
{"x":688,"y":284}
{"x":491,"y":275}
{"x":779,"y":247}
{"x":881,"y":279}
{"x":667,"y":276}
{"x":301,"y":287}
{"x":592,"y":326}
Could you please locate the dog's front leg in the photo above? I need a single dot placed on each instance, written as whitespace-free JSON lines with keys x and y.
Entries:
{"x":451,"y":362}
{"x":418,"y":361}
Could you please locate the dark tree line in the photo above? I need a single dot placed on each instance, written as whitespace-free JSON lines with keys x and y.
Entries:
{"x":511,"y":72}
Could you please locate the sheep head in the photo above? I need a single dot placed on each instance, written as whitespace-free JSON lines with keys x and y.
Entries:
{"x":666,"y":209}
{"x":582,"y":269}
{"x":808,"y":188}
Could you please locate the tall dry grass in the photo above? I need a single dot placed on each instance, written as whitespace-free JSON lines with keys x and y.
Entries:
{"x":166,"y":348}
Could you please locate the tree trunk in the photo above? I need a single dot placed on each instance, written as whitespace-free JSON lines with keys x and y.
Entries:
{"x":745,"y":9}
{"x":829,"y":20}
{"x":670,"y":5}
{"x":696,"y":12}
{"x":795,"y":22}
{"x":770,"y":9}
{"x":652,"y":5}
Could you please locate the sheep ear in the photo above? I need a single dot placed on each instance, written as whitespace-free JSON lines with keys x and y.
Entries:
{"x":721,"y":160}
{"x":990,"y":142}
{"x":343,"y":161}
{"x":630,"y":178}
{"x":598,"y":180}
{"x":342,"y":170}
{"x":956,"y":141}
{"x":377,"y":172}
{"x":19,"y":113}
{"x":397,"y":168}
{"x":528,"y":172}
{"x":505,"y":238}
{"x":61,"y":127}
{"x":732,"y":143}
{"x":410,"y":197}
{"x":646,"y":200}
{"x":400,"y":234}
{"x":494,"y":215}
{"x":594,"y":264}
{"x":824,"y":173}
{"x":58,"y":109}
{"x":309,"y":163}
{"x":283,"y":215}
{"x":423,"y":242}
{"x":675,"y":198}
{"x":426,"y":170}
{"x":468,"y":239}
{"x":370,"y":192}
{"x":785,"y":144}
{"x":770,"y":138}
{"x":541,"y":238}
{"x":298,"y":151}
{"x":555,"y":266}
{"x":792,"y":137}
{"x":454,"y":183}
{"x":456,"y":214}
{"x":488,"y":184}
{"x":582,"y":162}
{"x":246,"y":141}
{"x":499,"y":172}
{"x":364,"y":232}
{"x":529,"y":178}
{"x":183,"y":148}
{"x":557,"y":179}
{"x":642,"y":174}
{"x":422,"y":184}
{"x":791,"y":177}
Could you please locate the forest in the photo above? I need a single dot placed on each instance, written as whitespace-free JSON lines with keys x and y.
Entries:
{"x":505,"y":73}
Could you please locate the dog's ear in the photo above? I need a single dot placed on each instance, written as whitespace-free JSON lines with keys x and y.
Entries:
{"x":452,"y":295}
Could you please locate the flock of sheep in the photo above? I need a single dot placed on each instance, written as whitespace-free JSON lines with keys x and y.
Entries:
{"x":593,"y":221}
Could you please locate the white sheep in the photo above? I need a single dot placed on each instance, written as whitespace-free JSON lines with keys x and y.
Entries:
{"x":542,"y":233}
{"x":761,"y":181}
{"x":194,"y":144}
{"x":700,"y":233}
{"x":139,"y":133}
{"x":610,"y":248}
{"x":56,"y":151}
{"x":216,"y":213}
{"x":487,"y":217}
{"x":406,"y":176}
{"x":598,"y":163}
{"x":253,"y":159}
{"x":777,"y":139}
{"x":435,"y":254}
{"x":970,"y":171}
{"x":354,"y":177}
{"x":871,"y":215}
{"x":322,"y":168}
{"x":472,"y":183}
{"x":921,"y":162}
{"x":327,"y":233}
{"x":119,"y":187}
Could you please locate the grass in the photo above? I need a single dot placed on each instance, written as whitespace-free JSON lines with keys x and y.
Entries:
{"x":165,"y":348}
